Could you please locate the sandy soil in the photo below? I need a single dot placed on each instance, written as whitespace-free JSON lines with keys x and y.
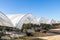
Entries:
{"x":54,"y":37}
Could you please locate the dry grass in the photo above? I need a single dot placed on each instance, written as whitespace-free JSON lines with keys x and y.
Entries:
{"x":30,"y":38}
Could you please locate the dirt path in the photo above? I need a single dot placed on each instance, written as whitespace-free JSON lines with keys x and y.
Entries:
{"x":54,"y":37}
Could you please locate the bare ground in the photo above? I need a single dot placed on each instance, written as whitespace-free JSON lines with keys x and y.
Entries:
{"x":54,"y":36}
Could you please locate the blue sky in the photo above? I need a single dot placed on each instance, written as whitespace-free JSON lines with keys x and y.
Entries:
{"x":38,"y":8}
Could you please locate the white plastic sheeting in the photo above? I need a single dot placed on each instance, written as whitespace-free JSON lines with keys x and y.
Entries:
{"x":28,"y":18}
{"x":44,"y":20}
{"x":15,"y":18}
{"x":4,"y":20}
{"x":53,"y":21}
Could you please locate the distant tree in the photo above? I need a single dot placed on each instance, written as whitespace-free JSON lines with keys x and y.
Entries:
{"x":56,"y":25}
{"x":30,"y":26}
{"x":26,"y":26}
{"x":45,"y":26}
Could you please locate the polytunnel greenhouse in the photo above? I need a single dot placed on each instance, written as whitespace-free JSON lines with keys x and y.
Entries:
{"x":4,"y":20}
{"x":28,"y":18}
{"x":18,"y":19}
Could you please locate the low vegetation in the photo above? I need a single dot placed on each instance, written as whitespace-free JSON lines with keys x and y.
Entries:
{"x":36,"y":27}
{"x":30,"y":29}
{"x":4,"y":29}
